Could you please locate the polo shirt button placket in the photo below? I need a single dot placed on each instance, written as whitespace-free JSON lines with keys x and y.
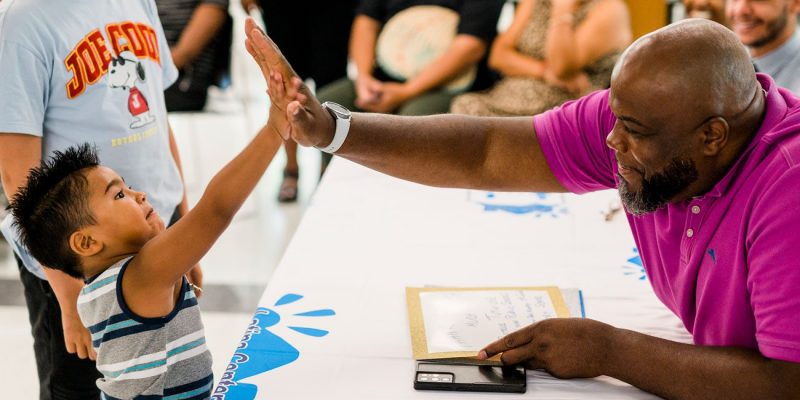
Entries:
{"x":695,"y":210}
{"x":692,"y":221}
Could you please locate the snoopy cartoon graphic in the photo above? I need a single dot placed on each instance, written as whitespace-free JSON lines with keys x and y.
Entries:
{"x":123,"y":72}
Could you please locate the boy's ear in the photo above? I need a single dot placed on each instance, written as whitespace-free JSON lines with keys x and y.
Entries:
{"x":83,"y":244}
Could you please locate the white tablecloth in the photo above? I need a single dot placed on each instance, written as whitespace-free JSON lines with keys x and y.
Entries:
{"x":332,"y":322}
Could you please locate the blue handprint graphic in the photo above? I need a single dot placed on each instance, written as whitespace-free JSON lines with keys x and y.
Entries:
{"x":537,"y":204}
{"x":635,"y":266}
{"x":271,"y":350}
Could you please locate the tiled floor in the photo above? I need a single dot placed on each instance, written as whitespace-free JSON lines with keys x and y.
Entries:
{"x":240,"y":264}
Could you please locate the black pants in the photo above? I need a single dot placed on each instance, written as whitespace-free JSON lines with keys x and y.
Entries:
{"x":178,"y":100}
{"x":61,"y":375}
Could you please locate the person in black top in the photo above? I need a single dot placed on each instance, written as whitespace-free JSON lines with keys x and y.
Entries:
{"x":429,"y":89}
{"x":379,"y":89}
{"x":199,"y":36}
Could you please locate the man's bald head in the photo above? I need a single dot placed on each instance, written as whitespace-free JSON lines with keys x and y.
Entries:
{"x":687,"y":103}
{"x":694,"y":65}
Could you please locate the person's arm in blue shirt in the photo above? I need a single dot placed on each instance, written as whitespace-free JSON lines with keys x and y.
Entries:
{"x":18,"y":154}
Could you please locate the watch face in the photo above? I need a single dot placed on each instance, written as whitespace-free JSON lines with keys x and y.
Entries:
{"x":340,"y":111}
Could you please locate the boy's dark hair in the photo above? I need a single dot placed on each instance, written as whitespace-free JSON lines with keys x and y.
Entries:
{"x":53,"y":204}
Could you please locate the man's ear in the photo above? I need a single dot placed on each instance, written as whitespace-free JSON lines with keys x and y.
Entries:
{"x":716,"y":133}
{"x":83,"y":244}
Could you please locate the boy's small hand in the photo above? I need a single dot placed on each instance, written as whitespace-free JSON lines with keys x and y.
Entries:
{"x":276,"y":89}
{"x":77,"y":338}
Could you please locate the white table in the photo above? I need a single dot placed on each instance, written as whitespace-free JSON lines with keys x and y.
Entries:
{"x":367,"y":236}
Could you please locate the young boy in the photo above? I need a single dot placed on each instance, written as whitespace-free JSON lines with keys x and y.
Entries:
{"x":79,"y":217}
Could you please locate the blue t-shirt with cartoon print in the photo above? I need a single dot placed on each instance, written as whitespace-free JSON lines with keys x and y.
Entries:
{"x":87,"y":71}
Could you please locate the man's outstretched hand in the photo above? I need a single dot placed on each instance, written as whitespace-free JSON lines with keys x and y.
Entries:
{"x":295,"y":113}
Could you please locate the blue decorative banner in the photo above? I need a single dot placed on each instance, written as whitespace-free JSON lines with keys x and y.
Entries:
{"x":261,"y":351}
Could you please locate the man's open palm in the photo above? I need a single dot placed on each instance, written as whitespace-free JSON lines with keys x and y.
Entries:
{"x":295,"y":112}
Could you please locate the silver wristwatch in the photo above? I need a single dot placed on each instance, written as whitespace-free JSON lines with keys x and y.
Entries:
{"x":342,"y":117}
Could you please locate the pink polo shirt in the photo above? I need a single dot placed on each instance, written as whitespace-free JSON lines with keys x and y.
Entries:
{"x":728,"y":262}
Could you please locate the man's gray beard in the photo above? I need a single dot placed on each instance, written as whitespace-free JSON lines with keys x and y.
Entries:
{"x":658,"y":189}
{"x":635,"y":202}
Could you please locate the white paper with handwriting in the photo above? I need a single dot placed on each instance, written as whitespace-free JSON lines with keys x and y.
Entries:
{"x":469,"y":320}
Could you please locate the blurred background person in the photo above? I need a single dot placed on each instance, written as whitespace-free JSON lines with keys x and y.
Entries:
{"x":199,"y":33}
{"x":554,"y":51}
{"x":706,"y":9}
{"x":413,"y":57}
{"x":769,"y":29}
{"x":313,"y":36}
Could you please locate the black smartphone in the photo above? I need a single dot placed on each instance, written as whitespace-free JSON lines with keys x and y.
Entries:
{"x":432,"y":375}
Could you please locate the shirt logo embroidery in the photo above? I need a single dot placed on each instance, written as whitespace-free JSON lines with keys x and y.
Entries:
{"x":713,"y":256}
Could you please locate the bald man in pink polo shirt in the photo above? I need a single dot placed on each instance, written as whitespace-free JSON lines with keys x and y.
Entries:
{"x":705,"y":156}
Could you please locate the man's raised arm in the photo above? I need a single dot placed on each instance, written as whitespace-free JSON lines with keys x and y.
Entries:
{"x":442,"y":150}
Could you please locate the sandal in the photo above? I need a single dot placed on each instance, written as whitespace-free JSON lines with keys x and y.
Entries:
{"x":288,"y":190}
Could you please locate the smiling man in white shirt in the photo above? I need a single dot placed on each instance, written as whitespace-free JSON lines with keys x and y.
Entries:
{"x":769,"y":29}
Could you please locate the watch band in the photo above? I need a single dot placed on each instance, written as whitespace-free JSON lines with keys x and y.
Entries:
{"x":342,"y":129}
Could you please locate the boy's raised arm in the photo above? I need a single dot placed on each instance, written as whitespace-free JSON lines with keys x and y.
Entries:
{"x":162,"y":262}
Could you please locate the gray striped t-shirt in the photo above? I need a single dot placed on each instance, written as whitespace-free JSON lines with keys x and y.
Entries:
{"x":145,"y":358}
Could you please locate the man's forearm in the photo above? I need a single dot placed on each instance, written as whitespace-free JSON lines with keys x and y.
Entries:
{"x":683,"y":371}
{"x":439,"y":150}
{"x":451,"y":151}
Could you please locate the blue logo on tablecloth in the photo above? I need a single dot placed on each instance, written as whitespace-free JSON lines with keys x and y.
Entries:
{"x":270,"y":350}
{"x":537,"y":204}
{"x":635,"y":267}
